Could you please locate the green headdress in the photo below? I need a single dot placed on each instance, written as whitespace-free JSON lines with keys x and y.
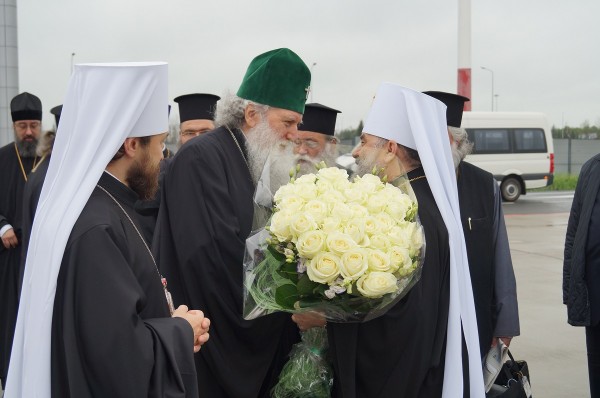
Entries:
{"x":278,"y":78}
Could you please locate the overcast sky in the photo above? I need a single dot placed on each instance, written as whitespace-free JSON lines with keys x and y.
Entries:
{"x":544,"y":53}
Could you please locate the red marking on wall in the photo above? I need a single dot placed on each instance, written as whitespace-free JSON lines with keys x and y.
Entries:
{"x":464,"y":85}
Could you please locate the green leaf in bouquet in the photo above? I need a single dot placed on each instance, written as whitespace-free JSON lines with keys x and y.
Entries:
{"x":286,"y":295}
{"x":289,"y":271}
{"x":306,"y":287}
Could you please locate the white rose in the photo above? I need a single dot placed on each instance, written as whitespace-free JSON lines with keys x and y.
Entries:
{"x":306,"y":191}
{"x":356,"y":195}
{"x":376,"y":203}
{"x":400,"y":235}
{"x":399,"y":258}
{"x":292,"y":203}
{"x":317,"y":209}
{"x":331,"y":224}
{"x":301,"y":223}
{"x":379,"y":260}
{"x":280,"y":225}
{"x":332,"y":174}
{"x":358,"y":211}
{"x":323,"y":268}
{"x":417,"y":240}
{"x":282,"y":192}
{"x":341,"y":184}
{"x":380,"y":242}
{"x":331,"y":198}
{"x":355,"y":227}
{"x":354,"y":263}
{"x":342,"y":211}
{"x":339,"y":243}
{"x":306,"y":179}
{"x":376,"y":284}
{"x":324,"y":186}
{"x":385,"y":222}
{"x":369,"y":183}
{"x":373,"y":226}
{"x":399,"y":206}
{"x":310,"y":243}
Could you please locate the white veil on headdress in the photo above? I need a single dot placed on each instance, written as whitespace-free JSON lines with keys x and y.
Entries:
{"x":105,"y":104}
{"x":418,"y":121}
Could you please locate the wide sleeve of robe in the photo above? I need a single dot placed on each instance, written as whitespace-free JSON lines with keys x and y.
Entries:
{"x":111,"y":332}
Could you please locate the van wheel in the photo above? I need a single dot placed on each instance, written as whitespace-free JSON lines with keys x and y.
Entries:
{"x":511,"y":189}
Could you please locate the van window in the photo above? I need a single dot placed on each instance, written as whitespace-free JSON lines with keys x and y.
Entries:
{"x":530,"y":140}
{"x":489,"y":140}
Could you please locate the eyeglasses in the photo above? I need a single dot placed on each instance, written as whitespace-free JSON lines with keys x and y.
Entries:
{"x":311,"y":144}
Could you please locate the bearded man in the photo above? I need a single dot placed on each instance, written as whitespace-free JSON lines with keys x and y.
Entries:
{"x":206,"y":215}
{"x":94,"y":316}
{"x":490,"y":263}
{"x":414,"y":349}
{"x":17,"y":159}
{"x":315,"y":141}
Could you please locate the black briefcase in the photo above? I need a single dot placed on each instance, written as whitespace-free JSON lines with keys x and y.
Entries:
{"x":512,"y":381}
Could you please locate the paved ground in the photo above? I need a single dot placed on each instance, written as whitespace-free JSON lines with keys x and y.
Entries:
{"x":554,"y":350}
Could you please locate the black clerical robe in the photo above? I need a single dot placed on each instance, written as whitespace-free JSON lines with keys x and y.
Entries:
{"x":31,"y":197}
{"x":112,"y":334}
{"x":205,"y":217}
{"x":402,"y":353}
{"x":12,"y":181}
{"x":476,"y":199}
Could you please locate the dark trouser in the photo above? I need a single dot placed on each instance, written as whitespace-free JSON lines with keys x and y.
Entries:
{"x":592,"y":336}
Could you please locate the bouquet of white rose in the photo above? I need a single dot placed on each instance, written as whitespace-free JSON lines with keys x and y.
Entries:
{"x":346,"y":249}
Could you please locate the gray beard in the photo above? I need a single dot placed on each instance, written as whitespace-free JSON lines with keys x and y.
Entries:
{"x":26,"y":149}
{"x":308,"y":164}
{"x":366,"y":164}
{"x":269,"y":156}
{"x":456,"y":155}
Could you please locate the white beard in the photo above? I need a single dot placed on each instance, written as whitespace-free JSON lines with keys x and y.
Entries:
{"x":306,"y":163}
{"x":269,"y":156}
{"x":456,"y":155}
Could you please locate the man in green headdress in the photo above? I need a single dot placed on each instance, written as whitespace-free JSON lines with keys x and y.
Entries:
{"x":207,"y":213}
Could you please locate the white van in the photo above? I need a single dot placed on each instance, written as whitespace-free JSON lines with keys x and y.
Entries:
{"x":516,"y":147}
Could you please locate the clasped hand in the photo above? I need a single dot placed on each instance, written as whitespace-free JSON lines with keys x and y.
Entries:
{"x":199,"y":324}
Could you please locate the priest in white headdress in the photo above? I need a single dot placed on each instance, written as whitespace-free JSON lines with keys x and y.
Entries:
{"x":94,"y":318}
{"x":415,"y":349}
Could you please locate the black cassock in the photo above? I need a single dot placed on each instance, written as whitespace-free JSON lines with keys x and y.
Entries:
{"x":205,"y":217}
{"x":112,"y":334}
{"x":11,"y":198}
{"x":31,"y":197}
{"x":402,"y":353}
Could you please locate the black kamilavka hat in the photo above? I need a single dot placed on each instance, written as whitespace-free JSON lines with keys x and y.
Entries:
{"x":25,"y":106}
{"x":454,"y":106}
{"x":196,"y":106}
{"x":319,"y":119}
{"x":56,"y":111}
